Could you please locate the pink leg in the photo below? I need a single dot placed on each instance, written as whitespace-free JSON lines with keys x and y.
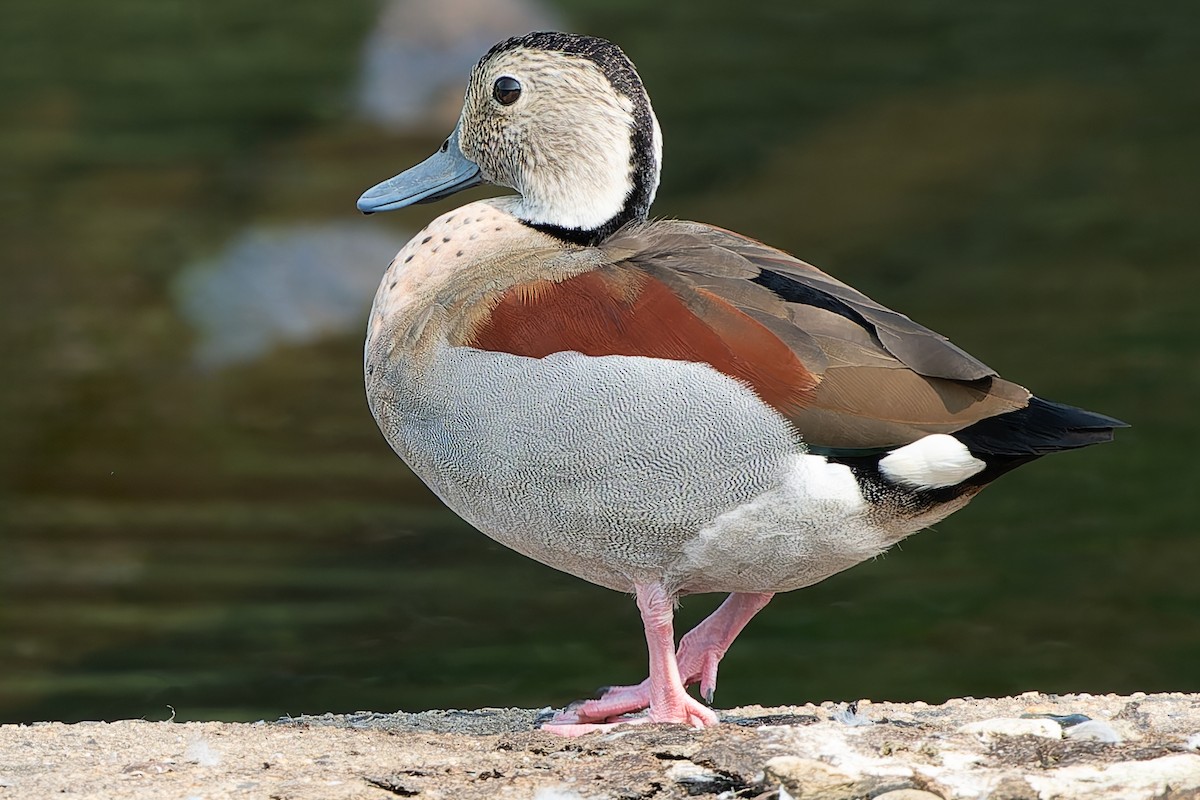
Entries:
{"x":668,"y":701}
{"x":700,"y":651}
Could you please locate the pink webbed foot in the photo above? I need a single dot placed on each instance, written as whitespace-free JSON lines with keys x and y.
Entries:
{"x":662,"y":694}
{"x":615,"y":702}
{"x":618,"y":702}
{"x":700,"y":653}
{"x":582,"y":728}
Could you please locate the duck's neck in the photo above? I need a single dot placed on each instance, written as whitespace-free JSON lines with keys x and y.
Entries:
{"x":588,"y":196}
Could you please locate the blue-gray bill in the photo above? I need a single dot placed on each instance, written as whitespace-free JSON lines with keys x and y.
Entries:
{"x":442,"y":174}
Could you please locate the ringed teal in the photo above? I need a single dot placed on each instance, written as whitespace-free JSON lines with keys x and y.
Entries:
{"x":660,"y":407}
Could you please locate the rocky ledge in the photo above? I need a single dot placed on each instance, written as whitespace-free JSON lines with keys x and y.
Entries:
{"x":1018,"y":748}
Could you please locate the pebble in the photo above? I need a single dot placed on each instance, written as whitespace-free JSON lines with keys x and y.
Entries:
{"x":809,"y":778}
{"x":691,"y":774}
{"x":1011,"y":726}
{"x":908,"y":794}
{"x":1094,"y":730}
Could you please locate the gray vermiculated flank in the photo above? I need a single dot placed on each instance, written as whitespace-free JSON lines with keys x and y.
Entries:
{"x":602,"y":467}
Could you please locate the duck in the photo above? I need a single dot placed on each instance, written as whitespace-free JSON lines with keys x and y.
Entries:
{"x":657,"y":406}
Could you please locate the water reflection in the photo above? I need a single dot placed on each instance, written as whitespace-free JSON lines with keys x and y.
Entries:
{"x":415,"y":59}
{"x":283,"y":284}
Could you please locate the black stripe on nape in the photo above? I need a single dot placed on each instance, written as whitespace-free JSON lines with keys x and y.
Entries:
{"x":623,"y":76}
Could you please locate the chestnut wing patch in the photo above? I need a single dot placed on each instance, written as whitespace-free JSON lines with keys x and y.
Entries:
{"x":626,"y":312}
{"x":885,"y":381}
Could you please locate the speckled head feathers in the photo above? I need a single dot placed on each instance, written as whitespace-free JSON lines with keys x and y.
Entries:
{"x":607,"y":56}
{"x":565,"y":120}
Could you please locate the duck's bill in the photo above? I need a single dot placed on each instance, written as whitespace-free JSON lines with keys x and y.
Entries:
{"x":442,"y":174}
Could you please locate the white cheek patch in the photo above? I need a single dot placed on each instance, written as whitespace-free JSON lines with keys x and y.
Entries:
{"x":933,"y":462}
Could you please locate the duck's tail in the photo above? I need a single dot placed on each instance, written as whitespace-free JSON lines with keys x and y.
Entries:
{"x":1006,"y":441}
{"x":1039,"y":428}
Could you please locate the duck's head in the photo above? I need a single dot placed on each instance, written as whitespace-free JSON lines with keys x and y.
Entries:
{"x":562,"y":118}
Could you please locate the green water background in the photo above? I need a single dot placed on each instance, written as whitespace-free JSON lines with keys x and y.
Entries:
{"x":240,"y":543}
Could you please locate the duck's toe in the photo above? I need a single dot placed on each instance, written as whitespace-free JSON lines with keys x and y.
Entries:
{"x":683,"y":709}
{"x":595,"y":716}
{"x":571,"y":729}
{"x":614,"y":702}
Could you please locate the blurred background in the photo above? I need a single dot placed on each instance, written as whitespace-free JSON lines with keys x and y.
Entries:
{"x":196,"y":508}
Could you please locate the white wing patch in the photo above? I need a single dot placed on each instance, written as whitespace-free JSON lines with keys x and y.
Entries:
{"x":933,"y":462}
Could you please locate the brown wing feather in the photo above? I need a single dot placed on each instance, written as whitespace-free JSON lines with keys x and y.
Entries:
{"x":884,"y":380}
{"x":623,"y":311}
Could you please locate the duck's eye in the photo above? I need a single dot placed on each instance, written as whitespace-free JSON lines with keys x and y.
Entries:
{"x":506,"y":90}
